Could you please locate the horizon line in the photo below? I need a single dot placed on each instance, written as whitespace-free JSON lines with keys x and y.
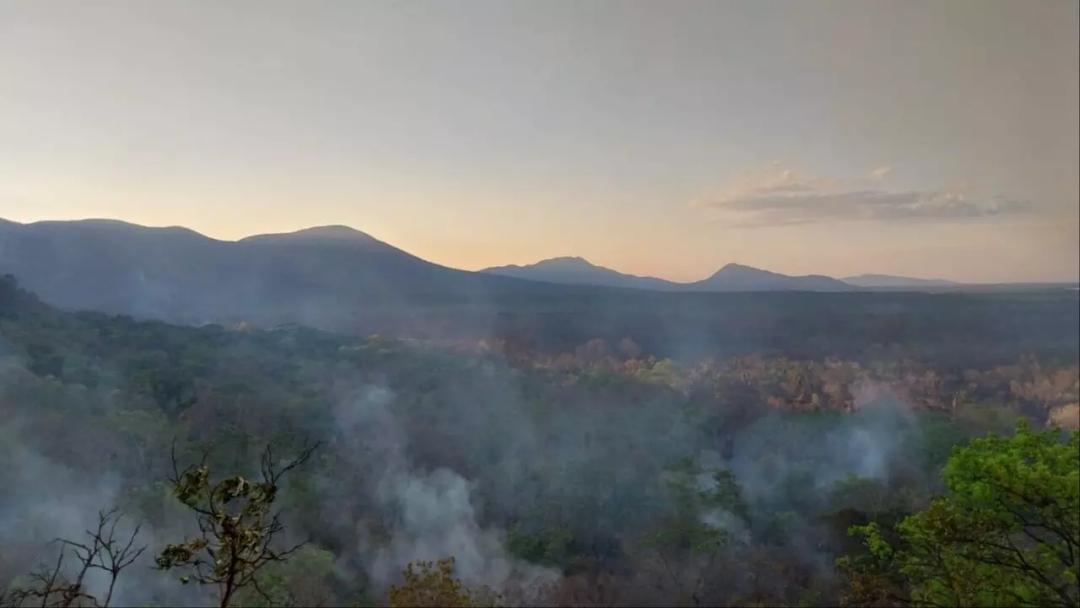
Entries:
{"x":497,"y":266}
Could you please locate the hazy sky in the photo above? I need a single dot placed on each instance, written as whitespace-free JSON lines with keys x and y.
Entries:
{"x":926,"y":138}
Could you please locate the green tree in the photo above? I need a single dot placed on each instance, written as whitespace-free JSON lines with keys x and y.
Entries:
{"x":434,"y":585}
{"x":237,"y":527}
{"x":708,"y":509}
{"x":1006,"y":534}
{"x":696,"y":494}
{"x":143,"y":430}
{"x":304,"y":580}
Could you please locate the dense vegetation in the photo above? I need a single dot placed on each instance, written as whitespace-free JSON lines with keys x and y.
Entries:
{"x":291,"y":466}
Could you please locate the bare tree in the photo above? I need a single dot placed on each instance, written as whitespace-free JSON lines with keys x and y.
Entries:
{"x":102,"y":551}
{"x":237,"y":529}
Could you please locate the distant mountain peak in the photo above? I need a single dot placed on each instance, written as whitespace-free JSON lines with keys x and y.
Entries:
{"x":742,"y":277}
{"x":562,"y":263}
{"x":575,"y":270}
{"x":336,"y":233}
{"x":109,"y":226}
{"x":107,"y":223}
{"x":566,"y":261}
{"x":734,"y":270}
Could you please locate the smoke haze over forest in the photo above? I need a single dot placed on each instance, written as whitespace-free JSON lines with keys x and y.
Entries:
{"x":539,"y":304}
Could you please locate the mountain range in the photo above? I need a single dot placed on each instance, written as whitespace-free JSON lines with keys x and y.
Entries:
{"x":180,"y":275}
{"x":732,"y":277}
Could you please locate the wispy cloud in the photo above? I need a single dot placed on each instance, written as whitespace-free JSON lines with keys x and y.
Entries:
{"x":880,"y":173}
{"x":775,"y":195}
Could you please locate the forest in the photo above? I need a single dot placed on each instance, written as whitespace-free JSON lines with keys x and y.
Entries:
{"x":857,"y":460}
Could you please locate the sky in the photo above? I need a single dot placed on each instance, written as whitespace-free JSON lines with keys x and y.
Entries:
{"x":666,"y":138}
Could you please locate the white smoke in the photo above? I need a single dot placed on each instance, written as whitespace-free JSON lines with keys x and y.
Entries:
{"x":432,"y":513}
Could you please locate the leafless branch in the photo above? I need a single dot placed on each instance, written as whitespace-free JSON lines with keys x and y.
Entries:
{"x":103,"y":551}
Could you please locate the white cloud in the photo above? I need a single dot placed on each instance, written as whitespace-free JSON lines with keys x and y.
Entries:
{"x":777,"y":195}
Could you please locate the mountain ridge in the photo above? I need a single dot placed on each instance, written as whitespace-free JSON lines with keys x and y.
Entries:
{"x":731,"y":277}
{"x":324,"y":272}
{"x":335,"y":233}
{"x":559,"y":270}
{"x":740,"y":277}
{"x":180,"y":275}
{"x":573,"y":270}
